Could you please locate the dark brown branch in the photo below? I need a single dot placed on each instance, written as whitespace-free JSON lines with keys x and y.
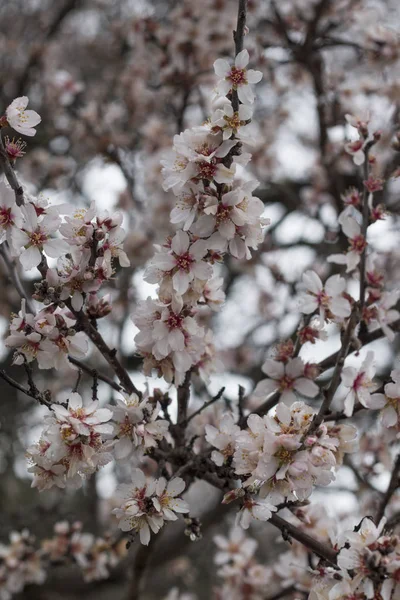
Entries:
{"x":140,"y":565}
{"x":110,"y":354}
{"x":238,"y":37}
{"x":32,"y":393}
{"x":205,"y":405}
{"x":320,"y":549}
{"x":334,"y":384}
{"x":392,"y":487}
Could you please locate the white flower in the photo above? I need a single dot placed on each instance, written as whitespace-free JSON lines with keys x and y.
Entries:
{"x":165,"y":499}
{"x":233,"y":123}
{"x":327,"y":298}
{"x":184,"y":262}
{"x":10,"y":214}
{"x":148,"y":503}
{"x":35,"y":237}
{"x":357,"y":245}
{"x":222,"y":438}
{"x":391,"y":411}
{"x":237,"y":77}
{"x":361,"y":385}
{"x":260,"y":509}
{"x":237,"y":548}
{"x":287,"y":379}
{"x":20,"y":119}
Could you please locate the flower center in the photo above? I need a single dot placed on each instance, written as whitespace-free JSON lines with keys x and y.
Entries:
{"x":5,"y":217}
{"x":237,"y":77}
{"x":183,"y":261}
{"x":174,"y":321}
{"x":38,"y":238}
{"x":286,"y":383}
{"x":358,"y":244}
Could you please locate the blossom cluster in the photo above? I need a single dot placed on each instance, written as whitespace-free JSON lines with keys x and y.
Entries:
{"x":72,"y":445}
{"x":149,"y":503}
{"x":23,"y":561}
{"x":369,"y":564}
{"x":217,"y":214}
{"x":277,"y":458}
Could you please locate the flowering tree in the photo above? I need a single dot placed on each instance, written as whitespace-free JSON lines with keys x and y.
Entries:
{"x":279,"y":290}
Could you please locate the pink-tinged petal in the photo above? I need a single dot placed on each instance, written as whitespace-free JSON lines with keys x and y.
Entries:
{"x":237,"y":247}
{"x":245,"y":94}
{"x":55,"y":248}
{"x":306,"y":387}
{"x":308,"y":304}
{"x":224,"y":148}
{"x":227,"y":230}
{"x":144,"y":534}
{"x":375,"y":401}
{"x":350,"y":227}
{"x":348,"y":376}
{"x":175,"y":486}
{"x":335,"y":285}
{"x":74,"y":401}
{"x":245,"y":112}
{"x":164,"y":261}
{"x":242,"y":59}
{"x":338,"y":259}
{"x":340,"y":307}
{"x":265,"y":387}
{"x":202,"y":270}
{"x":176,"y":339}
{"x":349,"y":404}
{"x":312,"y":282}
{"x":288,"y":397}
{"x":283,"y":413}
{"x":359,"y":158}
{"x":180,"y":242}
{"x":295,"y":367}
{"x":180,"y":282}
{"x":198,"y":249}
{"x":273,"y":368}
{"x":253,"y":76}
{"x":389,"y":416}
{"x":221,"y":67}
{"x":30,"y":258}
{"x":223,"y":87}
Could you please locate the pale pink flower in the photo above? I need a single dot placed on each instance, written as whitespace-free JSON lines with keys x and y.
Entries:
{"x":361,"y":385}
{"x":328,"y":298}
{"x":286,"y":379}
{"x":20,"y":119}
{"x":237,"y":77}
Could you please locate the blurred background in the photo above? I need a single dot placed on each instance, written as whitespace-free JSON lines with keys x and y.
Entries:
{"x":114,"y":81}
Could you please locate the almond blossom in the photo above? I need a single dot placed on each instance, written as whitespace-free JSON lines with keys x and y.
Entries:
{"x":328,"y":298}
{"x":35,"y":237}
{"x":20,"y":119}
{"x":390,"y":413}
{"x":237,"y":77}
{"x":285,"y":379}
{"x":183,"y":263}
{"x":10,"y":214}
{"x":148,"y":503}
{"x":357,"y":245}
{"x":361,"y":385}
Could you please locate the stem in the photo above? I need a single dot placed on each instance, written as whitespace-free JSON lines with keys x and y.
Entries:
{"x":364,"y":227}
{"x":322,"y":550}
{"x":238,"y":36}
{"x":392,"y":487}
{"x":334,"y":384}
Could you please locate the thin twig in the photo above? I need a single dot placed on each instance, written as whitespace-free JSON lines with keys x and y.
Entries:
{"x":392,"y":487}
{"x":205,"y":405}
